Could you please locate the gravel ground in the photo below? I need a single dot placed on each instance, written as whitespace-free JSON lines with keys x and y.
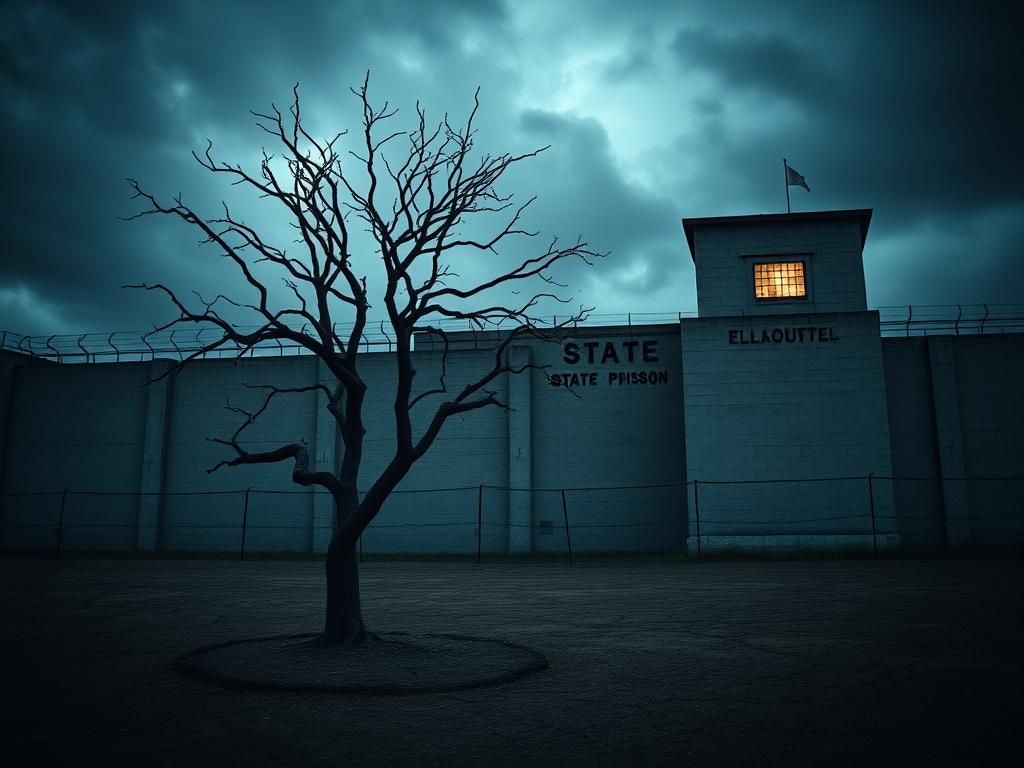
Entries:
{"x":717,"y":663}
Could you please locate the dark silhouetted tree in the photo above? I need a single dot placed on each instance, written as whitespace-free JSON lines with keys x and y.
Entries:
{"x":415,"y":209}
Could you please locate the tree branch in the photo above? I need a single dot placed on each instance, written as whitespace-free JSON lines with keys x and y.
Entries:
{"x":439,"y":187}
{"x":297,"y":451}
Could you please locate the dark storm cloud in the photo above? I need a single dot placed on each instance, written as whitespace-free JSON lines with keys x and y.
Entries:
{"x":912,"y":110}
{"x":112,"y":61}
{"x":96,"y":92}
{"x":635,"y":60}
{"x":768,"y":62}
{"x":580,"y":193}
{"x":584,"y":187}
{"x":654,"y":111}
{"x":906,"y":111}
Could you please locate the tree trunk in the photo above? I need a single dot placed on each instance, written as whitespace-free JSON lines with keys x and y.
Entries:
{"x":344,"y":612}
{"x":344,"y":625}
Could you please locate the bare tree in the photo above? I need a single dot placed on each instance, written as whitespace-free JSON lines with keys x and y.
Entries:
{"x":432,"y":193}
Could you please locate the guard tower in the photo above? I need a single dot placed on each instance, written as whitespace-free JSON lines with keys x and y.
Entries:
{"x":783,"y":380}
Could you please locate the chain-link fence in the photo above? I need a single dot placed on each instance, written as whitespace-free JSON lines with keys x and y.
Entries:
{"x":846,"y":513}
{"x":875,"y":514}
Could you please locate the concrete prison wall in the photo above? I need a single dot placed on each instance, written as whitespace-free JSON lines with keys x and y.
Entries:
{"x":955,"y":414}
{"x":597,"y":437}
{"x":790,"y":398}
{"x":80,"y":427}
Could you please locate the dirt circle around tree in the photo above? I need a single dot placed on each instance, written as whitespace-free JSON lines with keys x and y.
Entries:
{"x":389,"y":663}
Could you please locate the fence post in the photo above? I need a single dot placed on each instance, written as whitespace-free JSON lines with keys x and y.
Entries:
{"x":696,"y":512}
{"x":871,"y":501}
{"x":60,"y":520}
{"x":245,"y":522}
{"x":479,"y":521}
{"x":565,"y":515}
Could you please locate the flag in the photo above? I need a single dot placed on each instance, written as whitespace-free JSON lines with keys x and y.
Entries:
{"x":794,"y":179}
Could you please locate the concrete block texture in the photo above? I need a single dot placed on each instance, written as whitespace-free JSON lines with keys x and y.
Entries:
{"x":151,"y":483}
{"x":202,"y":399}
{"x":520,"y":453}
{"x":831,"y":251}
{"x":82,"y":428}
{"x":594,"y":436}
{"x":326,"y":455}
{"x":787,"y":398}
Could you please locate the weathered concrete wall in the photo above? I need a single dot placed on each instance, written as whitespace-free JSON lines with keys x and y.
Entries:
{"x":725,"y":255}
{"x":199,"y":393}
{"x":956,"y":415}
{"x":471,"y":450}
{"x":915,"y":457}
{"x":78,"y":427}
{"x":787,"y":404}
{"x":946,"y":407}
{"x":151,"y":444}
{"x":991,"y":378}
{"x":8,"y":362}
{"x":990,"y":372}
{"x":612,"y":428}
{"x":14,"y":513}
{"x":602,"y":436}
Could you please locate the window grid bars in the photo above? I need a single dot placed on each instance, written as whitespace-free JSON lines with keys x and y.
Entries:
{"x":779,"y":280}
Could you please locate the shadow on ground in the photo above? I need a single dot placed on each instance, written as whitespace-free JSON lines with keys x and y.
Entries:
{"x":723,"y":663}
{"x":389,"y":663}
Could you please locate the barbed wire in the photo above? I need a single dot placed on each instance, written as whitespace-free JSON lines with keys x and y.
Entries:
{"x":909,"y":320}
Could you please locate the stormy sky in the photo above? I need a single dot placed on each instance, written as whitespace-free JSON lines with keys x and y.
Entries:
{"x":654,"y":112}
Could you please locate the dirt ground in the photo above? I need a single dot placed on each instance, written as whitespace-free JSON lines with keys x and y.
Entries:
{"x":719,"y":663}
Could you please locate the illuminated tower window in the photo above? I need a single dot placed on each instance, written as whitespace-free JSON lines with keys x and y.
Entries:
{"x":780,"y":280}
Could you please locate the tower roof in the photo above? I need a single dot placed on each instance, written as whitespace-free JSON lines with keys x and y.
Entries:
{"x":862,"y":215}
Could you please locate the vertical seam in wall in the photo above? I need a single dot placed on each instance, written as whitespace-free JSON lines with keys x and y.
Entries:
{"x":515,"y":384}
{"x":165,"y":429}
{"x":140,"y":464}
{"x":321,"y":375}
{"x":149,"y":384}
{"x":877,"y":327}
{"x":937,"y":452}
{"x":311,"y":544}
{"x":339,"y":446}
{"x":684,"y":469}
{"x":317,"y":439}
{"x":964,"y":453}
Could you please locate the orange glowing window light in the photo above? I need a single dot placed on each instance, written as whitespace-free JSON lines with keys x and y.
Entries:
{"x":780,"y":280}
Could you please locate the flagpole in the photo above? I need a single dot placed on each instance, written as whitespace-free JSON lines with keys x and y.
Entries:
{"x":785,"y":179}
